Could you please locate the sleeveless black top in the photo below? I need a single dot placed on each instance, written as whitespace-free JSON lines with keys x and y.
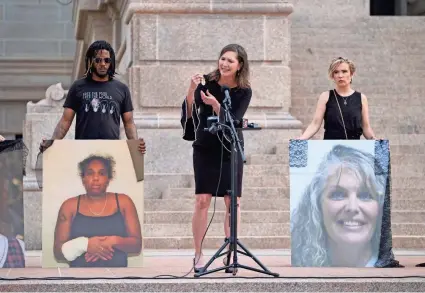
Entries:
{"x":112,"y":225}
{"x":352,"y":113}
{"x":240,"y":100}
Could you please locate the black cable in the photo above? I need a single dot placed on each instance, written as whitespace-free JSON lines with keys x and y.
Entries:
{"x":206,"y":231}
{"x":170,"y":277}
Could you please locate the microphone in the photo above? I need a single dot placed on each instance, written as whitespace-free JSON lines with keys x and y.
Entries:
{"x":227,"y":99}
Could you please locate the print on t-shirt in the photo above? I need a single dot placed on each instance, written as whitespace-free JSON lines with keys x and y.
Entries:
{"x":98,"y":107}
{"x":95,"y":101}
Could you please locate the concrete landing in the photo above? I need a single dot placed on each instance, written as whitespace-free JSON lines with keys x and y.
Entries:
{"x":177,"y":266}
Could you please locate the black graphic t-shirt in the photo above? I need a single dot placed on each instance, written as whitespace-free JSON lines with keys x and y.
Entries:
{"x":98,"y":107}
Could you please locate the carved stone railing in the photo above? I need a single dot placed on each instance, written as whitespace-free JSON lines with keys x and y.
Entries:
{"x":41,"y":119}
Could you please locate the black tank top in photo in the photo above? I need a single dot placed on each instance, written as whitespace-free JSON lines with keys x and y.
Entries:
{"x":112,"y":225}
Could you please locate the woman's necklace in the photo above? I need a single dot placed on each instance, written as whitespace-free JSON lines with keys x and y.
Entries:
{"x":344,"y":98}
{"x":101,"y":212}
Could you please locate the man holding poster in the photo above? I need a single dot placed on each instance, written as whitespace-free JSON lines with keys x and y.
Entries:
{"x":98,"y":100}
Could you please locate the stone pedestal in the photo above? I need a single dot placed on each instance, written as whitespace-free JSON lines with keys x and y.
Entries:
{"x":40,"y":122}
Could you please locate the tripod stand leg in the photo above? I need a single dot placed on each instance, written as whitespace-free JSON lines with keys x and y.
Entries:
{"x":249,"y":254}
{"x":216,"y":255}
{"x":226,"y":261}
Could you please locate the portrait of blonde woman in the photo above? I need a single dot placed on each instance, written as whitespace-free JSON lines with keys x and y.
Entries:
{"x":337,"y":222}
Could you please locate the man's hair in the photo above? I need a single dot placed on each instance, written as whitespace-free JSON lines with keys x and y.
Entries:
{"x":91,"y":54}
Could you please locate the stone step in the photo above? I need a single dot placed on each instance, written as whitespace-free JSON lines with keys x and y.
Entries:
{"x":406,"y":149}
{"x":412,"y":171}
{"x":408,"y":204}
{"x":186,"y":205}
{"x":155,"y":183}
{"x":397,"y":158}
{"x":262,"y":181}
{"x":260,"y":242}
{"x":399,"y":150}
{"x":407,"y":193}
{"x":264,"y":193}
{"x":407,"y":216}
{"x":400,"y":182}
{"x":274,"y":204}
{"x":165,"y":217}
{"x":215,"y":229}
{"x":257,"y":229}
{"x":407,"y":159}
{"x":408,"y":229}
{"x":266,"y":170}
{"x":272,"y":216}
{"x":214,"y":242}
{"x":404,"y":128}
{"x":283,"y":148}
{"x":268,"y":159}
{"x":249,"y":193}
{"x":413,"y":139}
{"x":266,"y":181}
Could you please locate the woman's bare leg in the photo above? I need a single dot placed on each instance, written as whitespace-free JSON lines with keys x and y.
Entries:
{"x":199,"y":224}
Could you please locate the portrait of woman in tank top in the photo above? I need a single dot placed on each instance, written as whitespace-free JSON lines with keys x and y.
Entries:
{"x":98,"y":228}
{"x":344,"y":110}
{"x":337,"y":220}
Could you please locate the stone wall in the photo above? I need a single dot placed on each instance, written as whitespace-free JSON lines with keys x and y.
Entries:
{"x":388,"y":53}
{"x":37,"y":48}
{"x":159,"y":46}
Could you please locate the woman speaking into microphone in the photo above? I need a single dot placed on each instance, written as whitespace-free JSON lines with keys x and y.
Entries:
{"x":211,"y":150}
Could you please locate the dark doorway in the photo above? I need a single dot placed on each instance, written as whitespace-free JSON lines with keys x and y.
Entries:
{"x":382,"y":7}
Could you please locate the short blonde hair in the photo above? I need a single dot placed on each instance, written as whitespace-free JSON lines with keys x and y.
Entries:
{"x":336,"y":62}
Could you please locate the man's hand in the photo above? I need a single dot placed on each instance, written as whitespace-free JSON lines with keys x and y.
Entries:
{"x":142,"y":146}
{"x":45,"y":144}
{"x":2,"y":138}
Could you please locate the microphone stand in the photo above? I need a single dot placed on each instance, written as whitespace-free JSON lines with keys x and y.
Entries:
{"x":233,"y":240}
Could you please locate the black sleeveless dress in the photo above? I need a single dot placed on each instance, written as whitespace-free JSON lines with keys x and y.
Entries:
{"x":86,"y":226}
{"x":351,"y":108}
{"x":211,"y":152}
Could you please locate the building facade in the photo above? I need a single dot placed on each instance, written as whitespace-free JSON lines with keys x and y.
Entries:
{"x":160,"y":44}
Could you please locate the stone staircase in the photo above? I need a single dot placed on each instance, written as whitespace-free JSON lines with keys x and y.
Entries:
{"x":265,"y":210}
{"x":265,"y":205}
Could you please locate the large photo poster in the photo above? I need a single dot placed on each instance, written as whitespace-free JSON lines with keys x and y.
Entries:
{"x":12,"y":241}
{"x":92,"y":204}
{"x":339,"y":201}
